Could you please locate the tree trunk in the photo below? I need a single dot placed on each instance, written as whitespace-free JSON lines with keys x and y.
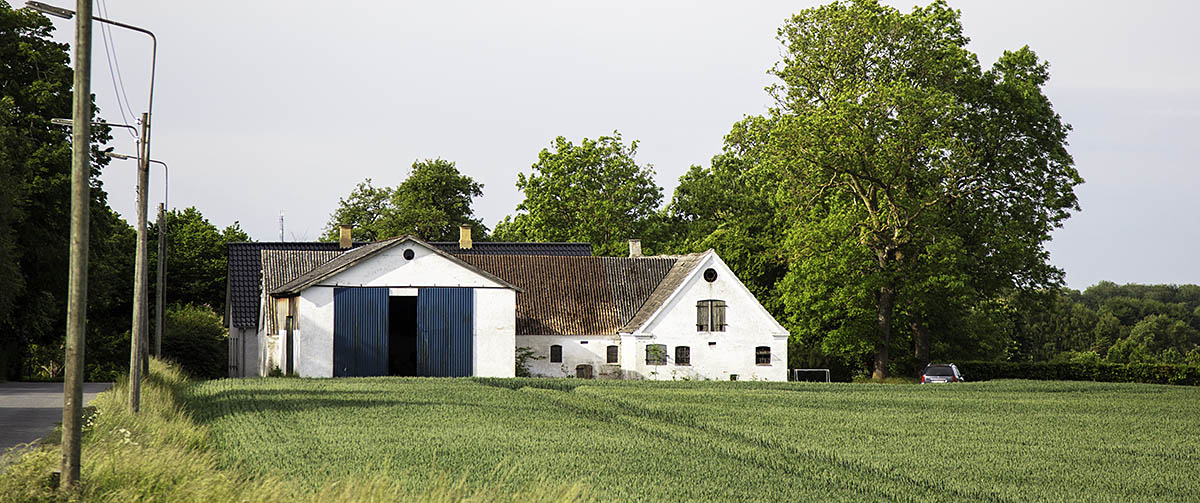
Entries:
{"x":920,"y":344}
{"x":887,"y":301}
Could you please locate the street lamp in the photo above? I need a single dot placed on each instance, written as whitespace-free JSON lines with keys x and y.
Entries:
{"x":161,"y":286}
{"x":141,"y":275}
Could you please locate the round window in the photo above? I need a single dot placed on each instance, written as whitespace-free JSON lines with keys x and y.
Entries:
{"x":408,"y":254}
{"x":710,"y":275}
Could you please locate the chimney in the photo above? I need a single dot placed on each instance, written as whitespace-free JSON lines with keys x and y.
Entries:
{"x":464,"y":237}
{"x":635,"y":248}
{"x":344,"y":238}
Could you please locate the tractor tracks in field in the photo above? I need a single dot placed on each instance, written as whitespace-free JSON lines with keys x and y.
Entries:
{"x":817,"y":469}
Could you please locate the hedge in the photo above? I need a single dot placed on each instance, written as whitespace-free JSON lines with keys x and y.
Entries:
{"x":1188,"y":375}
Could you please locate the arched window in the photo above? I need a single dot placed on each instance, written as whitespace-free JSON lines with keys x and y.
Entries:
{"x":556,"y":354}
{"x":710,"y":316}
{"x":656,"y":354}
{"x":683,"y":355}
{"x":762,"y":355}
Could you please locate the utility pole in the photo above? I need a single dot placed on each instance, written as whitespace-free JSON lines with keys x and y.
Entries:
{"x":81,"y":142}
{"x":160,"y":285}
{"x":140,"y":276}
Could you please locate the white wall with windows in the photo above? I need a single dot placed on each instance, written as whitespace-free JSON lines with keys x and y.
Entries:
{"x":711,"y":327}
{"x":722,"y":329}
{"x":601,"y":352}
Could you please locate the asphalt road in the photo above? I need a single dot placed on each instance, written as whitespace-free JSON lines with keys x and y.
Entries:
{"x":29,"y":410}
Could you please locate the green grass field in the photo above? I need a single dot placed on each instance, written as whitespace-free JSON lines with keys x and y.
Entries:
{"x":719,"y":441}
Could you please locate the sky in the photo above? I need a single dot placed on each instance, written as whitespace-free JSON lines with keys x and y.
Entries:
{"x":263,"y":107}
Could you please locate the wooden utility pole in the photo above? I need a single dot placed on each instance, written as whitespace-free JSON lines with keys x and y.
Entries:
{"x":160,"y":284}
{"x":81,"y":142}
{"x":137,"y":343}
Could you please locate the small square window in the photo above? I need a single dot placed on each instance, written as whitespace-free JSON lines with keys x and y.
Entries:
{"x":556,"y":354}
{"x":683,"y":355}
{"x":762,"y":355}
{"x":656,"y":354}
{"x":613,"y":354}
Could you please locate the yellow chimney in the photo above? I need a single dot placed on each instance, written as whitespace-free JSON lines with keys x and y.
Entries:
{"x":464,"y":237}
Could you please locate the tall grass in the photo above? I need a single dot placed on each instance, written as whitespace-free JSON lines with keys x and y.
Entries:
{"x":163,"y":454}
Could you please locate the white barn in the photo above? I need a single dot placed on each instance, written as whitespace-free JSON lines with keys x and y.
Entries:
{"x":407,"y":307}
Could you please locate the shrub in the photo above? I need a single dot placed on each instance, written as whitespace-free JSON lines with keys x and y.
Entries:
{"x":1151,"y":373}
{"x":195,"y":338}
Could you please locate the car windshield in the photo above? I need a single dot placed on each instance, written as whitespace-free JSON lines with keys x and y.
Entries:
{"x":939,"y":371}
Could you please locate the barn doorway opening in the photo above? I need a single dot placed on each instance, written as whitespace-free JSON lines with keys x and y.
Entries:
{"x":402,"y":337}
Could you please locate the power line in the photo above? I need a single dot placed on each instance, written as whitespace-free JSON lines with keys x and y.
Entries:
{"x":115,"y":75}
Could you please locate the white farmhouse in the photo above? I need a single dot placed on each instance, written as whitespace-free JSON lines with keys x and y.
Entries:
{"x":407,"y":307}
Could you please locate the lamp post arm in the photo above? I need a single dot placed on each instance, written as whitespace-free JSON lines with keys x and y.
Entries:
{"x":166,"y":182}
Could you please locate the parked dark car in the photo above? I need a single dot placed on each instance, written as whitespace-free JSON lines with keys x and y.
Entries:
{"x":940,"y":373}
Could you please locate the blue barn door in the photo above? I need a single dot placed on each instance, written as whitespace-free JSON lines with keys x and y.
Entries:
{"x":360,"y":332}
{"x":445,"y":345}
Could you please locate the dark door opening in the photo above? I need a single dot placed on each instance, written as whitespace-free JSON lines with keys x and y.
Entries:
{"x":402,"y":337}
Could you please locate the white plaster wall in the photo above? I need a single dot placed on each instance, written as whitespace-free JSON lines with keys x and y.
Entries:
{"x":575,"y":352}
{"x":313,"y":356}
{"x":389,"y":268}
{"x":494,"y":316}
{"x":495,"y":320}
{"x":714,"y":355}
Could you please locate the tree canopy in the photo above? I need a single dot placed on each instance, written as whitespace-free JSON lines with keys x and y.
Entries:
{"x":932,"y":181}
{"x":591,"y":192}
{"x":35,"y":169}
{"x":431,"y":203}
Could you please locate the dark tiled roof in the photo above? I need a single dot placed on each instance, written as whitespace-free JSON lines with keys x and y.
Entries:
{"x":349,"y":258}
{"x":280,"y":266}
{"x":505,"y":248}
{"x":670,"y":281}
{"x":576,"y":295}
{"x":245,"y":277}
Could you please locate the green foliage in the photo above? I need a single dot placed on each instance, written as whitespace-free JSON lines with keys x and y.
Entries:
{"x":592,"y":192}
{"x":718,"y":441}
{"x":35,"y":164}
{"x":1084,"y":367}
{"x":431,"y":203}
{"x":913,"y":183}
{"x":195,"y":339}
{"x":197,"y":260}
{"x":523,"y":355}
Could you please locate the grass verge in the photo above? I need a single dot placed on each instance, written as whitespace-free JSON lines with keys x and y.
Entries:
{"x":163,"y":454}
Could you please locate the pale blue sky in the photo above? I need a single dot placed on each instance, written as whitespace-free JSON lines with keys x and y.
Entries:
{"x":269,"y":106}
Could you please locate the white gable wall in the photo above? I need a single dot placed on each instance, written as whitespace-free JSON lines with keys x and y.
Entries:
{"x":714,"y":355}
{"x":494,"y":314}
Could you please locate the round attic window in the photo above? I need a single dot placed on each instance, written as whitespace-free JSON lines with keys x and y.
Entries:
{"x":408,"y":254}
{"x":710,"y":275}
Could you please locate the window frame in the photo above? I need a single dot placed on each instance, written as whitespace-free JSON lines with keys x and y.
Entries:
{"x":659,"y":350}
{"x":683,"y":359}
{"x":560,"y":355}
{"x":612,"y":354}
{"x":707,"y":316}
{"x":759,"y":353}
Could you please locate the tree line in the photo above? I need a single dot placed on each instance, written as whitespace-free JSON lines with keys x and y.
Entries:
{"x":891,"y":208}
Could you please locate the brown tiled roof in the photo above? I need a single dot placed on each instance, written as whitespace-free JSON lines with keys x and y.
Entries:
{"x":281,"y":266}
{"x":576,"y":295}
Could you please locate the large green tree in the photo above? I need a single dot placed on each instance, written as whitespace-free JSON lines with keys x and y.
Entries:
{"x":431,"y":203}
{"x":591,"y":192}
{"x":197,"y":260}
{"x":940,"y":182}
{"x":35,"y":172}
